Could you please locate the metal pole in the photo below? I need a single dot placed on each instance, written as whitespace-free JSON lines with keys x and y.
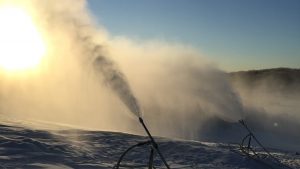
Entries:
{"x":151,"y":158}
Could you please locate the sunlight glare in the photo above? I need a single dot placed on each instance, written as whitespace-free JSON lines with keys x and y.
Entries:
{"x":21,"y":45}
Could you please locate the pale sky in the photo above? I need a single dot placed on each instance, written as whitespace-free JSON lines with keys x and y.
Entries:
{"x":236,"y":34}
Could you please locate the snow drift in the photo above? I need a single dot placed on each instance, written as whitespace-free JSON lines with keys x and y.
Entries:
{"x":101,"y":150}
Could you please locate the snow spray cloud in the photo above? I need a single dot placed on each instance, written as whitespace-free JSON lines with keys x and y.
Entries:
{"x":271,"y":100}
{"x":112,"y":77}
{"x":116,"y":80}
{"x":176,"y":87}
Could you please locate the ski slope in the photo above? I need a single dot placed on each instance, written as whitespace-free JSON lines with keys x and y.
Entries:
{"x":22,"y":147}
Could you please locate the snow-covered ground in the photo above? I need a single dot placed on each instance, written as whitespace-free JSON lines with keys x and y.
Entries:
{"x":23,"y":147}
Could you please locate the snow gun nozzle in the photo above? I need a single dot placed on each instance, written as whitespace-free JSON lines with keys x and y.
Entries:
{"x":141,"y":120}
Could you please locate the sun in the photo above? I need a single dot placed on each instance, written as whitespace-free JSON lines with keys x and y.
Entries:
{"x":21,"y":44}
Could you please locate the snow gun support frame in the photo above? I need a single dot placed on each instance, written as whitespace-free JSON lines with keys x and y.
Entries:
{"x":250,"y":152}
{"x":153,"y":148}
{"x":250,"y":136}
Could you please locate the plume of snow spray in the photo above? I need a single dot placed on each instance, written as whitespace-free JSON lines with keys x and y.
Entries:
{"x":117,"y":82}
{"x":172,"y":81}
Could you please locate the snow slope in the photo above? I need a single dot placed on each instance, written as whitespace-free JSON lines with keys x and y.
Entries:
{"x":22,"y":147}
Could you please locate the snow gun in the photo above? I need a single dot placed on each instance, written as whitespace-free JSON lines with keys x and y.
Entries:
{"x":153,"y":148}
{"x":266,"y":159}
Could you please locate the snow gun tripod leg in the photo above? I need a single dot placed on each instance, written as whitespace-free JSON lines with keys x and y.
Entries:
{"x":249,"y":143}
{"x":247,"y":148}
{"x":154,"y":144}
{"x":128,"y":150}
{"x":154,"y":148}
{"x":151,"y":158}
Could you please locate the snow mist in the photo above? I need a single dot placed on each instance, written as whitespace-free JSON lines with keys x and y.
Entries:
{"x":89,"y":79}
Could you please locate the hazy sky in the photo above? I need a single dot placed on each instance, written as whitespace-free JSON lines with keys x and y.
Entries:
{"x":237,"y":34}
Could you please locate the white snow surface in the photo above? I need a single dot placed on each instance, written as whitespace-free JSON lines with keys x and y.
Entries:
{"x":23,"y":147}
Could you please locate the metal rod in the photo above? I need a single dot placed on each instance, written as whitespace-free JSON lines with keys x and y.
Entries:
{"x":249,"y":143}
{"x":151,"y":158}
